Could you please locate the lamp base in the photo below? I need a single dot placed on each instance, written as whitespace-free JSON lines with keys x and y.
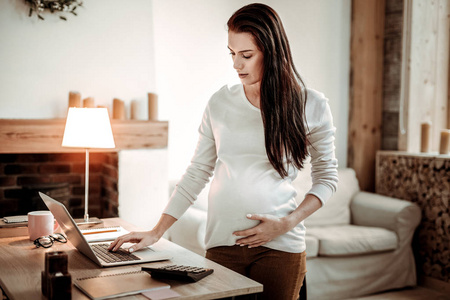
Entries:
{"x":91,"y":220}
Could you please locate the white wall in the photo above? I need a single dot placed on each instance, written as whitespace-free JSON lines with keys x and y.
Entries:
{"x":104,"y":52}
{"x":176,"y":48}
{"x":143,"y":186}
{"x":192,"y":61}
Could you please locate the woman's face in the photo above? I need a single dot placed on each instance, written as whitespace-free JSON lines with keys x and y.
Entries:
{"x":247,"y":58}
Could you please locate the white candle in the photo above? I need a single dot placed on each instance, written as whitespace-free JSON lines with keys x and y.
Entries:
{"x":89,"y":102}
{"x":134,"y":110}
{"x":425,"y":141}
{"x":152,"y":107}
{"x":444,"y":142}
{"x":118,"y":109}
{"x":74,"y":99}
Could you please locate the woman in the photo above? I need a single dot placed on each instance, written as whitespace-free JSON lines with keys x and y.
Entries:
{"x":254,"y":137}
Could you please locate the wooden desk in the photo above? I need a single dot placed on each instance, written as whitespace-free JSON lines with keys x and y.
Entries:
{"x":21,"y":264}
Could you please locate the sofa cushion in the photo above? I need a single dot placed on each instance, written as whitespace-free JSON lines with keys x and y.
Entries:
{"x":189,"y":231}
{"x":336,"y":210}
{"x":312,"y":246}
{"x":352,"y":239}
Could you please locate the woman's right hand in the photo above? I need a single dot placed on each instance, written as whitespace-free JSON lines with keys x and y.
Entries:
{"x":140,"y":238}
{"x":144,"y":238}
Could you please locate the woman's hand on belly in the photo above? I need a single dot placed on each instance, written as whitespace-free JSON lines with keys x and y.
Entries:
{"x":269,"y":228}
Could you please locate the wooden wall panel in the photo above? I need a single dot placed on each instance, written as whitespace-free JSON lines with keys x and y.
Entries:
{"x":366,"y":88}
{"x":427,"y":62}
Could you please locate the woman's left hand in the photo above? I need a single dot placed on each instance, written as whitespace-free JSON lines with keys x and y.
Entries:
{"x":269,"y":228}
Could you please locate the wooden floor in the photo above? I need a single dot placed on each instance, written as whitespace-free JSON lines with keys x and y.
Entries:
{"x":416,"y":293}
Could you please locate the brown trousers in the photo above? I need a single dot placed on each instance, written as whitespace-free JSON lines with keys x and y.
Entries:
{"x":281,"y":273}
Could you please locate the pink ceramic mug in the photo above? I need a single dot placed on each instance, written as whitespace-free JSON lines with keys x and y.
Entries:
{"x":41,"y":223}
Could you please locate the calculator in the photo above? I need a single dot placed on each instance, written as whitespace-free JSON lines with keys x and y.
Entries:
{"x":178,"y":272}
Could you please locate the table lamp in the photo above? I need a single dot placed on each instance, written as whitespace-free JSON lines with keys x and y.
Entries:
{"x":88,"y":128}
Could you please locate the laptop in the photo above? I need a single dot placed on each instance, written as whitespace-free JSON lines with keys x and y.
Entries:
{"x":98,"y":252}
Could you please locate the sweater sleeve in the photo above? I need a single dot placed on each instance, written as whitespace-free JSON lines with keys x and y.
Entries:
{"x":198,"y":173}
{"x":323,"y":162}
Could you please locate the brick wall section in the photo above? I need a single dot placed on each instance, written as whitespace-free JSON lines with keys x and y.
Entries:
{"x":21,"y":171}
{"x":110,"y":180}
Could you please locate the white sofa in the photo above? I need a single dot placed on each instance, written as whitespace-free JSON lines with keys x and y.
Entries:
{"x":357,"y":244}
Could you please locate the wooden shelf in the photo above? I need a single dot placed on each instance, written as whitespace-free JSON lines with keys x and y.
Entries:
{"x":432,"y":155}
{"x":45,"y":135}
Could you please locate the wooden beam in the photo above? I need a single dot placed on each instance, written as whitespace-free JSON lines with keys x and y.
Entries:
{"x":45,"y":135}
{"x":366,"y":103}
{"x":448,"y":88}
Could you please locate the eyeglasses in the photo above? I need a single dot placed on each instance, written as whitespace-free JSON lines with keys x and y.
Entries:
{"x":47,"y":241}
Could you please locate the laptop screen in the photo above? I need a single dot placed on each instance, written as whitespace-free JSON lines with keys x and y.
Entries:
{"x":69,"y":226}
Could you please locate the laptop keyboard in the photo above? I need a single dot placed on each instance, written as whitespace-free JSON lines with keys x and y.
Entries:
{"x":101,"y":250}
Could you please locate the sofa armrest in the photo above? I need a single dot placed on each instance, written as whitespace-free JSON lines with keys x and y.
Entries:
{"x":400,"y":216}
{"x":189,"y":231}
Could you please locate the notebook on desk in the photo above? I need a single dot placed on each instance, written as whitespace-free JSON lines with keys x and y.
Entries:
{"x":98,"y":252}
{"x":118,"y":285}
{"x":103,"y":234}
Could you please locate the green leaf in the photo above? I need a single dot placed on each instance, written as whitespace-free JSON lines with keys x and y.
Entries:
{"x":53,"y":6}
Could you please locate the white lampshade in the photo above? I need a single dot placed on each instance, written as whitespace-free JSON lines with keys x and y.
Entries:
{"x":88,"y":128}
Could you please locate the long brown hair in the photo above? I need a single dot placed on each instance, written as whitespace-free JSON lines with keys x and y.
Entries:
{"x":283,"y":92}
